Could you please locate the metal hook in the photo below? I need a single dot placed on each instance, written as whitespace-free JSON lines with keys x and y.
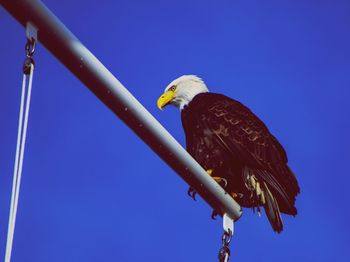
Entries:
{"x":224,"y":252}
{"x":226,"y":237}
{"x":29,"y":61}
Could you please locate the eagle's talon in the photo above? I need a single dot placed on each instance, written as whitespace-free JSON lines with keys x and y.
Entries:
{"x":214,"y":215}
{"x":221,"y":181}
{"x":192,"y":193}
{"x":225,"y":182}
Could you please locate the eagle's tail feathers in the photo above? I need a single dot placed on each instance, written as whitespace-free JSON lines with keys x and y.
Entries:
{"x":272,"y":209}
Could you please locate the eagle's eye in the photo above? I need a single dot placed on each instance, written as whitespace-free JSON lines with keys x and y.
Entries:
{"x":172,"y":88}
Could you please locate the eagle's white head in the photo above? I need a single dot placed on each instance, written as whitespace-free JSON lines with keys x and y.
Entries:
{"x":181,"y":91}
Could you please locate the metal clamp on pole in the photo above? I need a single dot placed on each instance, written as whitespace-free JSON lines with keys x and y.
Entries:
{"x":32,"y":31}
{"x":228,"y":225}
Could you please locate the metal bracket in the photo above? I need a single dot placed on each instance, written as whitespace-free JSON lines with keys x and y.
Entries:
{"x":228,"y":224}
{"x":32,"y":32}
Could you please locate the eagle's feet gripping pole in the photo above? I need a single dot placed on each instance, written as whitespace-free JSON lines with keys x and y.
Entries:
{"x":224,"y":252}
{"x":221,"y":181}
{"x":192,"y":193}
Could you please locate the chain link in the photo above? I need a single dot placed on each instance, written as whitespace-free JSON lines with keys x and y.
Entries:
{"x":224,"y":252}
{"x":29,"y":48}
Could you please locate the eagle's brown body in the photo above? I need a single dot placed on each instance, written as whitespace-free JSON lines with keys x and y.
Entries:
{"x":225,"y":136}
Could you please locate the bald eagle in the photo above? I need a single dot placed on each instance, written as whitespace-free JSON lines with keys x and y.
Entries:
{"x":235,"y":146}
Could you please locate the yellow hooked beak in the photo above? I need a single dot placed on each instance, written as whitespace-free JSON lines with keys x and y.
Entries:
{"x":165,"y":99}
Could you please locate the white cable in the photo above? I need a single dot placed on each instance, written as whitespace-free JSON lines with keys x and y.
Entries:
{"x":24,"y":136}
{"x":21,"y":139}
{"x":14,"y":182}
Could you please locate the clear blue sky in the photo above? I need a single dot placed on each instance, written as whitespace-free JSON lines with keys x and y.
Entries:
{"x":92,"y":191}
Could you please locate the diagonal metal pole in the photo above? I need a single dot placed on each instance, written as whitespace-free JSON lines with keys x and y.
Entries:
{"x":85,"y":66}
